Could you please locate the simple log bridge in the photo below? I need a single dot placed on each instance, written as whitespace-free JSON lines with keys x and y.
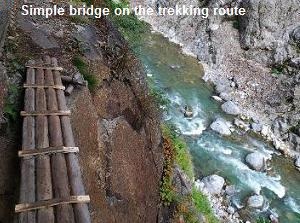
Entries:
{"x":51,"y":188}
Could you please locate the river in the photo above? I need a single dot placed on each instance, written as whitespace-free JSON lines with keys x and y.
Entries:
{"x":180,"y":77}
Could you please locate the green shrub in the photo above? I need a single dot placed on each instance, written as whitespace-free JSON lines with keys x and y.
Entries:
{"x":263,"y":220}
{"x":203,"y":205}
{"x":84,"y":70}
{"x":159,"y":97}
{"x":182,"y":155}
{"x":129,"y":25}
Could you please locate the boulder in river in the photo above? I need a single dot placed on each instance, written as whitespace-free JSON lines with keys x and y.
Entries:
{"x":255,"y":201}
{"x":213,"y":184}
{"x":297,"y":162}
{"x":188,"y":112}
{"x":256,"y":161}
{"x":221,"y":126}
{"x":231,"y":108}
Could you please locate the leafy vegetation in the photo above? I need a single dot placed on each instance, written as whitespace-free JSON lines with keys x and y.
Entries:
{"x":189,"y":206}
{"x":263,"y":220}
{"x":182,"y":155}
{"x":202,"y":204}
{"x":11,"y":107}
{"x":82,"y":66}
{"x":129,"y":25}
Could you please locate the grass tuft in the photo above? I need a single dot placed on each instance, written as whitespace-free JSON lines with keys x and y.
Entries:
{"x":82,"y":66}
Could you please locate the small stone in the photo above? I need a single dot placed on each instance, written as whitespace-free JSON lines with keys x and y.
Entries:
{"x":60,"y":34}
{"x":217,"y":98}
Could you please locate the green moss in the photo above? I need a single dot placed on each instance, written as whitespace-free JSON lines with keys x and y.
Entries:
{"x":82,"y":66}
{"x":12,"y":106}
{"x":129,"y":25}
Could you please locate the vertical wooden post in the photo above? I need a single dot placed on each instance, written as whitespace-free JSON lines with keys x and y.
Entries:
{"x":81,"y":211}
{"x":64,"y":213}
{"x":43,"y":167}
{"x":27,"y":187}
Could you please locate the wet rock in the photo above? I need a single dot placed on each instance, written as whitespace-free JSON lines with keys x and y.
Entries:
{"x":295,"y":62}
{"x":188,"y":112}
{"x":230,"y":210}
{"x":241,"y":124}
{"x":295,"y":141}
{"x":225,"y":96}
{"x":213,"y":184}
{"x":297,"y":162}
{"x":273,"y":218}
{"x":217,"y":98}
{"x":231,"y":108}
{"x":256,"y":161}
{"x":221,"y":126}
{"x":256,"y":127}
{"x":255,"y":201}
{"x":230,"y":190}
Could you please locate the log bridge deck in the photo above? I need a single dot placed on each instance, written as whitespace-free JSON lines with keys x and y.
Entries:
{"x":51,"y":187}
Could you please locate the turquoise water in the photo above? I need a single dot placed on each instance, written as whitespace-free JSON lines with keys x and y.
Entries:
{"x":180,"y":77}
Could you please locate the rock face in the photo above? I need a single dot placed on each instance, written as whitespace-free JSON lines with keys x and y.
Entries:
{"x":256,"y":161}
{"x":231,"y":108}
{"x":221,"y":126}
{"x":255,"y":201}
{"x":213,"y":184}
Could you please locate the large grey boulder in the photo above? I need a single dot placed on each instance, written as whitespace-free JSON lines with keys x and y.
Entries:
{"x":231,"y":108}
{"x":255,"y":201}
{"x":297,"y":162}
{"x":296,"y":35}
{"x":221,"y":126}
{"x":256,"y":161}
{"x":213,"y":184}
{"x":256,"y":127}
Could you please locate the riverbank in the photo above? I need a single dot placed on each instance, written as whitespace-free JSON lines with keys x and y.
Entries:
{"x":262,"y":89}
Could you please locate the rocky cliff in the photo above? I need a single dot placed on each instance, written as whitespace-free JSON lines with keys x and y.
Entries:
{"x":116,"y":124}
{"x":253,"y":59}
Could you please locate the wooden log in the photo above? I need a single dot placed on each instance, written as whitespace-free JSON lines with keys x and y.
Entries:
{"x":27,"y":184}
{"x":48,"y":151}
{"x":45,"y":113}
{"x":43,"y":165}
{"x":67,"y":79}
{"x":64,"y":212}
{"x":69,"y":90}
{"x":44,"y":86}
{"x":52,"y":202}
{"x":45,"y":67}
{"x":81,"y":211}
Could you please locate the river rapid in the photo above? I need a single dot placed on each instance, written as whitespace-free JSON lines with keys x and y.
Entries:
{"x":180,"y":77}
